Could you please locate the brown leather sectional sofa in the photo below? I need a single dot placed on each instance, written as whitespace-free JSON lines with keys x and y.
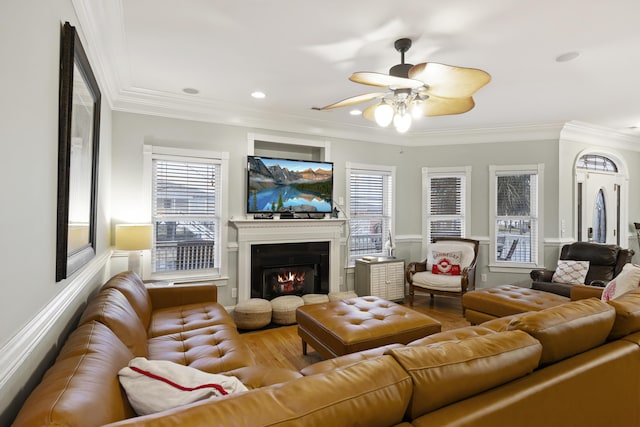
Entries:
{"x":575,"y":364}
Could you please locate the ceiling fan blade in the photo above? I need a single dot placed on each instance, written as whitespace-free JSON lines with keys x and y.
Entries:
{"x":369,"y":112}
{"x":384,"y":80}
{"x":437,"y":106}
{"x":353,"y":100}
{"x":449,"y":81}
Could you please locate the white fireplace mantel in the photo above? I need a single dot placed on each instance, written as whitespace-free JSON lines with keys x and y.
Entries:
{"x":260,"y":232}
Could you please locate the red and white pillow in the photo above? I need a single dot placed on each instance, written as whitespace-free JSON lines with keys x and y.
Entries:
{"x":446,"y":262}
{"x":570,"y":272}
{"x":155,"y":385}
{"x":627,"y":280}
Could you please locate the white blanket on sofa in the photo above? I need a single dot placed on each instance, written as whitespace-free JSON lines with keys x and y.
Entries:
{"x":156,"y":385}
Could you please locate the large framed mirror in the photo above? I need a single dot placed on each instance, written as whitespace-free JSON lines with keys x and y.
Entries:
{"x":78,"y":148}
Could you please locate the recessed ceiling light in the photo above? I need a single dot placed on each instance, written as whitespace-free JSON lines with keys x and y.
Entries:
{"x":191,"y":91}
{"x":355,"y":112}
{"x":258,"y":95}
{"x":568,"y":56}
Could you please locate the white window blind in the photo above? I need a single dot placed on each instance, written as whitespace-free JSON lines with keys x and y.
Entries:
{"x":185,"y":214}
{"x":370,"y":211}
{"x":516,"y":217}
{"x":445,"y":197}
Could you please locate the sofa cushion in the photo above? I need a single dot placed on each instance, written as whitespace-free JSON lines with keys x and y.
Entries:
{"x":567,"y":329}
{"x":81,"y":388}
{"x":448,"y":371}
{"x":188,"y":317}
{"x":136,"y":293}
{"x":212,"y":349}
{"x":627,"y":314}
{"x":112,"y":308}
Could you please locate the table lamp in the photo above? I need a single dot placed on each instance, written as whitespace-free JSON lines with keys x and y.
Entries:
{"x":134,"y":238}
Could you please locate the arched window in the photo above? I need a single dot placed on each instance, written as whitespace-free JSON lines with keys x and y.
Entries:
{"x":597,"y":162}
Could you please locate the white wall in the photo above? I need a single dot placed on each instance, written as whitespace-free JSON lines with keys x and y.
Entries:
{"x":131,"y":131}
{"x":30,"y":50}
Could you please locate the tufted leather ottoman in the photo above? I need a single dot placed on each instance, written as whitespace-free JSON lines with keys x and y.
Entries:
{"x":347,"y":326}
{"x":482,"y":305}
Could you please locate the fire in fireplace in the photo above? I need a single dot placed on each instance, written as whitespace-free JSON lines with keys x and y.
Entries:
{"x":289,"y":269}
{"x":288,"y":280}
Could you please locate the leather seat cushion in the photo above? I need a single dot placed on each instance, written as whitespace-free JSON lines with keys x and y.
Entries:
{"x":448,"y":371}
{"x":188,"y":317}
{"x":506,"y":300}
{"x":567,"y":329}
{"x":211,"y":349}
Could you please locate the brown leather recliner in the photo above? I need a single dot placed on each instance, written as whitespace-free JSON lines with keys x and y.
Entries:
{"x":605,"y":263}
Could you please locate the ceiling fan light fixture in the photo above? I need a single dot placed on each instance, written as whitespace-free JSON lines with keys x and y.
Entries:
{"x":402,"y":121}
{"x":417,"y":109}
{"x":383,"y":114}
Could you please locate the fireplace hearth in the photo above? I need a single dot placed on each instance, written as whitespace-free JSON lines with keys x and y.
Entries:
{"x":289,"y":269}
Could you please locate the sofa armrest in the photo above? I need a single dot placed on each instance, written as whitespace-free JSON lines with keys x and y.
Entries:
{"x":171,"y":296}
{"x":541,"y":275}
{"x":585,"y":291}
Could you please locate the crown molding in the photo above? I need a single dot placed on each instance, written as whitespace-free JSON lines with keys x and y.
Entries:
{"x":585,"y":133}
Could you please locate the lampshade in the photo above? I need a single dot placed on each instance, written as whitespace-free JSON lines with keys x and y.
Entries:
{"x":134,"y":237}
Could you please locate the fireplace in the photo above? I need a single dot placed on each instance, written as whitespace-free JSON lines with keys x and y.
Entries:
{"x":289,"y":269}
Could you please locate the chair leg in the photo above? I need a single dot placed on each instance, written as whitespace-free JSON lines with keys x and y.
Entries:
{"x":411,"y":293}
{"x":433,"y":299}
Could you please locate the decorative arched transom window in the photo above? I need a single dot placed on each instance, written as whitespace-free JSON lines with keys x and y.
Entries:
{"x":596,"y":162}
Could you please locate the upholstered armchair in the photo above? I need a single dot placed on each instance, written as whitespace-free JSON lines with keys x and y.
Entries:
{"x":449,"y":270}
{"x":604,"y":263}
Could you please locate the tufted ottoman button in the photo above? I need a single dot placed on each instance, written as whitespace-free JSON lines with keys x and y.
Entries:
{"x":284,"y":309}
{"x":254,"y":313}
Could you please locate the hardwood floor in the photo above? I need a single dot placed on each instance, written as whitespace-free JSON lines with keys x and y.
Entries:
{"x":282,"y":347}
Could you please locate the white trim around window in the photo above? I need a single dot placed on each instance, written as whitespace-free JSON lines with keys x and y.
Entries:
{"x":358,"y":215}
{"x":536,"y":217}
{"x":221,"y":159}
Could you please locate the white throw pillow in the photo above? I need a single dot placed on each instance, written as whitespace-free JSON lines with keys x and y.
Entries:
{"x":627,"y":280}
{"x":156,"y":385}
{"x":571,"y":272}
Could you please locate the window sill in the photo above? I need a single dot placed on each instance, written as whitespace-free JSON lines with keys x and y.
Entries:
{"x":181,"y":278}
{"x":512,"y":268}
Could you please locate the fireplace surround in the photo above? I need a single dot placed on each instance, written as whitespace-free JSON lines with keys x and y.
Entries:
{"x":252,"y":232}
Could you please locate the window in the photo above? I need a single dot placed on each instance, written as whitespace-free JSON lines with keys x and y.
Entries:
{"x":371,"y":200}
{"x":444,"y":192}
{"x":516,"y":203}
{"x":186,"y":193}
{"x":596,"y":162}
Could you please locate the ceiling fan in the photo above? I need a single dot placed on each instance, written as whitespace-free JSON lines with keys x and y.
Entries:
{"x":427,"y":89}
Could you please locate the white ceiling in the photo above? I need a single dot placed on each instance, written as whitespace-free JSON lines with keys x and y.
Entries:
{"x":301,"y":53}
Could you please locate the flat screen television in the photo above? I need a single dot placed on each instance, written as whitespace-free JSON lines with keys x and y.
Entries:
{"x":285,"y":185}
